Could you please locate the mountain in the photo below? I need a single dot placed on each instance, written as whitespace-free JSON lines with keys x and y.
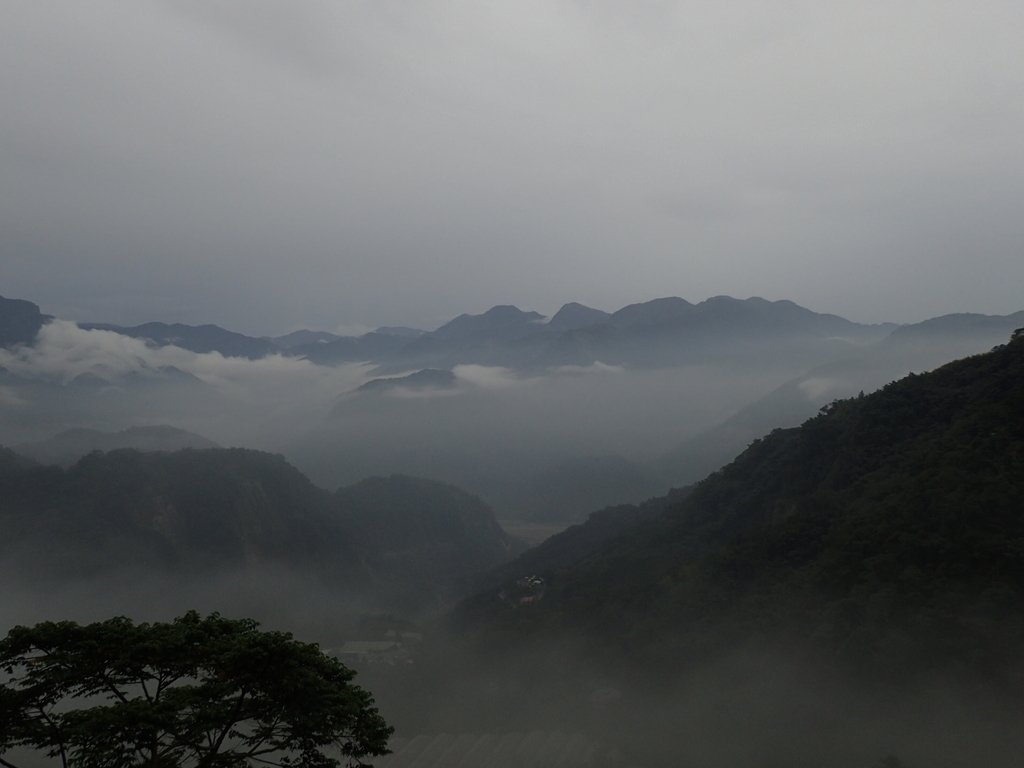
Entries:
{"x":492,"y":338}
{"x":399,"y":330}
{"x":423,"y":530}
{"x":572,"y":316}
{"x":960,"y":325}
{"x":185,"y":511}
{"x":578,"y":541}
{"x":500,"y":323}
{"x":201,"y":338}
{"x":305,"y":338}
{"x":671,"y":331}
{"x":71,"y":445}
{"x":651,"y":312}
{"x":566,"y":467}
{"x":394,"y":541}
{"x":40,"y":406}
{"x":297,"y":338}
{"x":661,"y":332}
{"x":882,"y":536}
{"x":20,"y":321}
{"x":350,"y":349}
{"x":569,"y":489}
{"x":420,"y":381}
{"x":918,"y":347}
{"x":723,"y":314}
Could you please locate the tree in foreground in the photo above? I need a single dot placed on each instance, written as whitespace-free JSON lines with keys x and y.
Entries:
{"x":197,"y":692}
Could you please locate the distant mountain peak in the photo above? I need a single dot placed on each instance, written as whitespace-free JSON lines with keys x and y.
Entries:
{"x":196,"y":338}
{"x":501,"y":322}
{"x":20,"y":321}
{"x":574,"y":315}
{"x":510,"y":313}
{"x":651,"y":312}
{"x":420,"y":381}
{"x":297,"y":338}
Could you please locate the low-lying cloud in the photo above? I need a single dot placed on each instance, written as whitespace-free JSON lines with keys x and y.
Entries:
{"x":64,"y":351}
{"x":243,"y":401}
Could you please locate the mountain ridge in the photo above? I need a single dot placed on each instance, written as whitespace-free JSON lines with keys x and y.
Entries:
{"x":882,"y":535}
{"x":398,"y":541}
{"x":507,"y":336}
{"x":195,"y":338}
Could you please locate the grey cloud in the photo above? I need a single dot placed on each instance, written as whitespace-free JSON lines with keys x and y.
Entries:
{"x":253,"y":402}
{"x":385,"y":163}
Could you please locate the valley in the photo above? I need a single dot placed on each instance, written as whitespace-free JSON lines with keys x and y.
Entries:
{"x":862,"y":566}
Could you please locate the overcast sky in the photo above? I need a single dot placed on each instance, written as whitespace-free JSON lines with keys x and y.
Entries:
{"x":269,"y":164}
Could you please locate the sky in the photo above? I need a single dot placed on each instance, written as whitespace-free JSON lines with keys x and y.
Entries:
{"x":268,"y":165}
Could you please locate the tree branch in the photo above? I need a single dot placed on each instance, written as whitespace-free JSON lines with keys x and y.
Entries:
{"x":57,"y":734}
{"x":113,"y":688}
{"x":215,"y":747}
{"x":270,"y":733}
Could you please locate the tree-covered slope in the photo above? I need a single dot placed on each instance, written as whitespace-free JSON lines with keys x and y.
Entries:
{"x":188,"y":510}
{"x":887,"y":534}
{"x":195,"y":511}
{"x":578,"y":541}
{"x":425,"y":530}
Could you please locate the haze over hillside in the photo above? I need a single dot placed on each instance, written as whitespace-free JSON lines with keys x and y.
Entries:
{"x":545,"y":420}
{"x":191,"y":515}
{"x":68,"y":447}
{"x":841,"y":589}
{"x":914,"y":490}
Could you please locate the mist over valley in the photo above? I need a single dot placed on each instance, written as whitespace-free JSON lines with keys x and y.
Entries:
{"x":379,"y":511}
{"x":546,"y":421}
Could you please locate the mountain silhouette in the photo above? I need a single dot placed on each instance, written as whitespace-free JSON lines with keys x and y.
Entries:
{"x":20,"y":321}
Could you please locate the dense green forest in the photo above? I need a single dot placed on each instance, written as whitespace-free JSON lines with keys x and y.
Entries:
{"x":885,"y":536}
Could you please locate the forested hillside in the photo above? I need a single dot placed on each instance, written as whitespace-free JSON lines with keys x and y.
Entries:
{"x":885,"y":536}
{"x":191,"y":512}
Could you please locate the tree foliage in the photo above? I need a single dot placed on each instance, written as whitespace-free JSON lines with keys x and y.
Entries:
{"x":200,"y":692}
